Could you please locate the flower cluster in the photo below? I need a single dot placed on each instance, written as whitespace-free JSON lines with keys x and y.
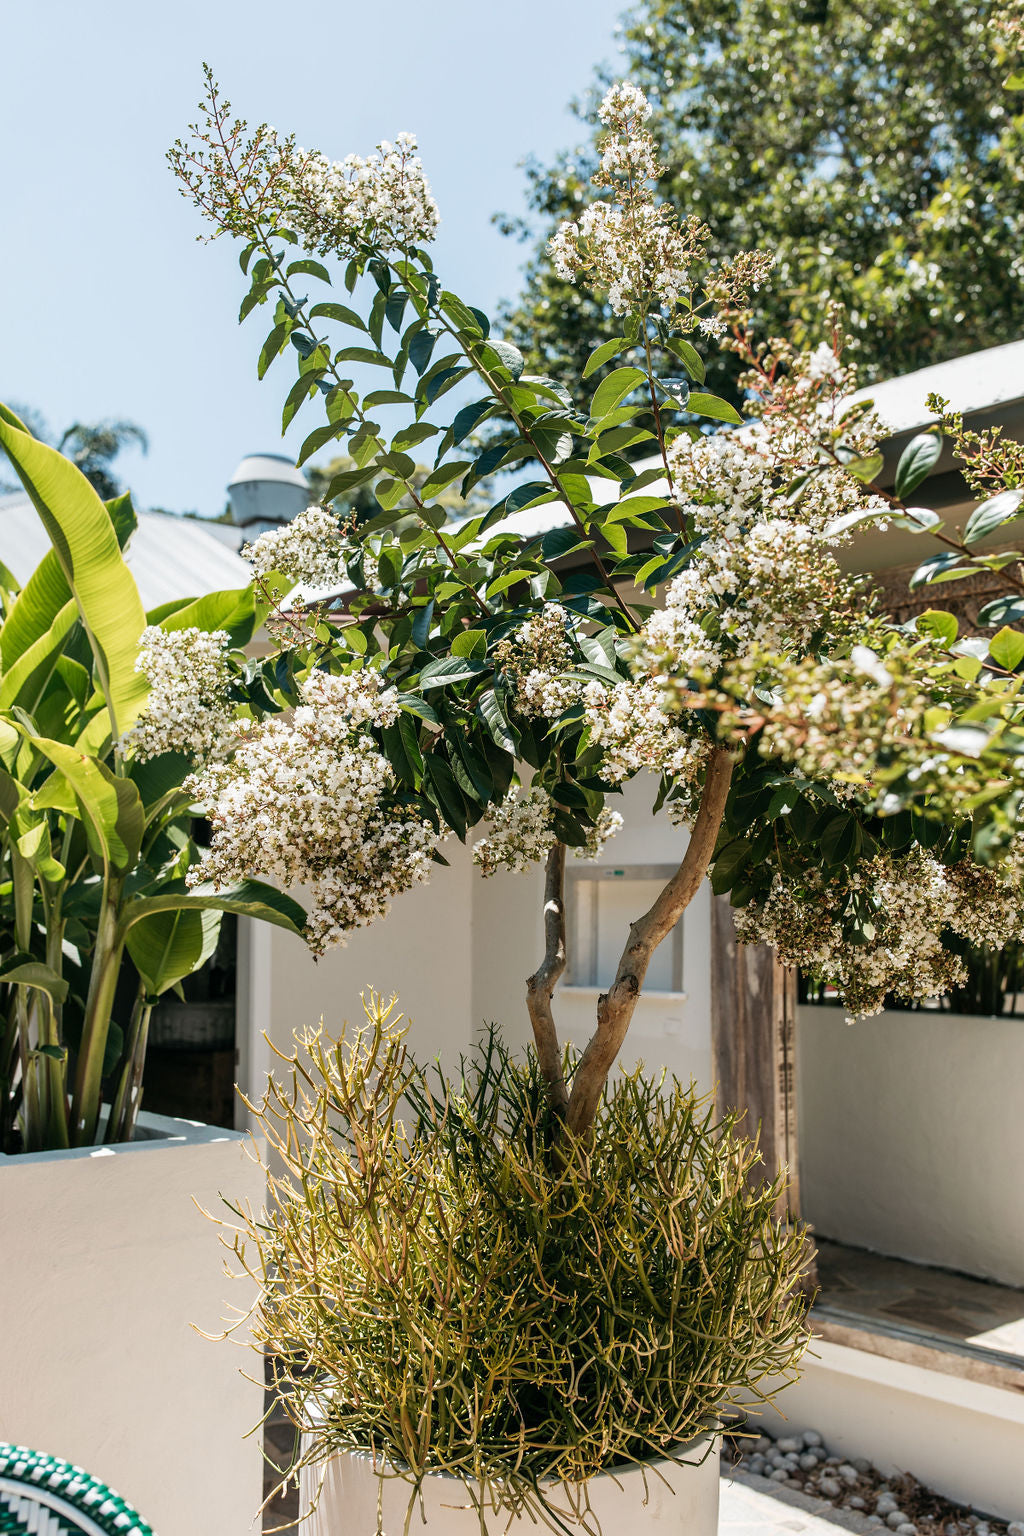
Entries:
{"x":912,"y":901}
{"x":631,"y":724}
{"x":522,"y":832}
{"x":339,"y":206}
{"x":311,"y":549}
{"x":188,"y":709}
{"x":310,"y":801}
{"x":631,"y":246}
{"x":534,"y":657}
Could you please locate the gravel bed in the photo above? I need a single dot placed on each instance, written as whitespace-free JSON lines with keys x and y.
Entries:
{"x":896,"y":1503}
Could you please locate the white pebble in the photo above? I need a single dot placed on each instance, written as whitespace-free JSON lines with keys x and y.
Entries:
{"x":874,"y":1520}
{"x":982,"y":1528}
{"x":848,"y":1474}
{"x":779,"y":1476}
{"x":811,"y":1437}
{"x":906,"y":1529}
{"x":1015,"y":1528}
{"x":885,"y":1504}
{"x":895,"y":1518}
{"x":830,"y":1488}
{"x":808,"y":1462}
{"x":755,"y":1464}
{"x":856,"y":1502}
{"x":789,"y":1445}
{"x":861,"y":1463}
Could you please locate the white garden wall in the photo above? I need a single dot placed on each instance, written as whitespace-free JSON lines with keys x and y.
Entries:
{"x":108,"y":1270}
{"x":912,"y":1136}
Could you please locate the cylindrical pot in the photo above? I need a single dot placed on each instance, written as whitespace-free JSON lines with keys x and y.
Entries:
{"x":663,"y":1497}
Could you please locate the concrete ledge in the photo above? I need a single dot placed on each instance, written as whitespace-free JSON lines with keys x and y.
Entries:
{"x":961,"y":1436}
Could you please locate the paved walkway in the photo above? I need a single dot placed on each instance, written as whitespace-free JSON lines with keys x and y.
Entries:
{"x":747,"y":1508}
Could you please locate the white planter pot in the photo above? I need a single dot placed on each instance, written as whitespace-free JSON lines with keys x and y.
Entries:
{"x":670,"y":1499}
{"x":109,"y":1268}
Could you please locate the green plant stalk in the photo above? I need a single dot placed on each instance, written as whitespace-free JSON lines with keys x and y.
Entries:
{"x":106,"y":963}
{"x":125,"y":1107}
{"x":54,"y":1070}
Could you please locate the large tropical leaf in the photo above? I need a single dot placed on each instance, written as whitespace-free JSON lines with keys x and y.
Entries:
{"x":239,"y":612}
{"x":252,"y":898}
{"x":111,"y":808}
{"x":86,"y":546}
{"x":168,"y":946}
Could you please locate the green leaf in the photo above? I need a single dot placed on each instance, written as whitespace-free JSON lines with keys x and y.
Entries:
{"x":1003,"y":610}
{"x":1007,"y":648}
{"x":866,"y":469}
{"x":469,"y":417}
{"x":618,"y":384}
{"x":917,"y":461}
{"x":316,"y":440}
{"x":23,"y":971}
{"x":490,"y":712}
{"x":446,"y":794}
{"x":111,"y":807}
{"x":604,"y":354}
{"x":689,"y":356}
{"x":937,"y":622}
{"x":992,"y":514}
{"x":943,"y":566}
{"x":728,"y":865}
{"x":441,"y":478}
{"x":251,"y":898}
{"x":238,"y":612}
{"x":710,"y":405}
{"x":469,"y":642}
{"x":451,"y":669}
{"x":414,"y":705}
{"x":85,"y":543}
{"x":311,"y":268}
{"x":168,"y":946}
{"x":272,"y":347}
{"x":508,"y":357}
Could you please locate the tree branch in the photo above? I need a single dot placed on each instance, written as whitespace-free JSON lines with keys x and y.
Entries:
{"x":541,"y":985}
{"x":615,"y":1007}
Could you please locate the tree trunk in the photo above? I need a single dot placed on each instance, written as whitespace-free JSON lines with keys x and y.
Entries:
{"x":541,"y":985}
{"x":615,"y":1007}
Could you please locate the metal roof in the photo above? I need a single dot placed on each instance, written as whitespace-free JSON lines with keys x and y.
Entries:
{"x":170,"y":557}
{"x":979,"y":381}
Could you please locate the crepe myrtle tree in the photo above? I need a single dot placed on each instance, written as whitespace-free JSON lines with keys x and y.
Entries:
{"x":683,"y":613}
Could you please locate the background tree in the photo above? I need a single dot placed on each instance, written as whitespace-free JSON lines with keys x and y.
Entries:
{"x":91,"y":446}
{"x":869,"y":145}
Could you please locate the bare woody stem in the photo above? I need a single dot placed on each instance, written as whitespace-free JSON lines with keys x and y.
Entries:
{"x":615,"y":1007}
{"x":541,"y":985}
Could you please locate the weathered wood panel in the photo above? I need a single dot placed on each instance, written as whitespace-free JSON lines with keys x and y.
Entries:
{"x":753,"y":1050}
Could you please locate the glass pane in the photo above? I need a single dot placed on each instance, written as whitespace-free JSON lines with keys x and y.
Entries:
{"x":621,"y":901}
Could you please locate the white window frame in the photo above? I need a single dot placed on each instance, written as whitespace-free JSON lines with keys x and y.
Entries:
{"x":601,"y":874}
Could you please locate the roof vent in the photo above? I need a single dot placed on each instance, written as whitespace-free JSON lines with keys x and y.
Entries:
{"x":265,"y":491}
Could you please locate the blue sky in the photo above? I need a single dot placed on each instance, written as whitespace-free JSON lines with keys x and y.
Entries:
{"x":109,"y":306}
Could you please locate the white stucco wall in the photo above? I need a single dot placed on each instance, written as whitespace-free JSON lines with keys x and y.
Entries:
{"x":109,"y":1269}
{"x":912,"y":1137}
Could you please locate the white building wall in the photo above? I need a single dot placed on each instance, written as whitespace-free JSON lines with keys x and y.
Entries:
{"x":458,"y":952}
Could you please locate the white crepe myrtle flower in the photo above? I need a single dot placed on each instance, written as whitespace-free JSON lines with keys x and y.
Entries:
{"x":534,"y":657}
{"x":824,"y":366}
{"x":310,"y":801}
{"x":187,"y":709}
{"x":312,"y":550}
{"x":522,"y":832}
{"x":341,"y":205}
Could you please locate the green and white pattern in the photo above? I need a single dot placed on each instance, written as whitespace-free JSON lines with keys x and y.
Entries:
{"x":43,"y":1496}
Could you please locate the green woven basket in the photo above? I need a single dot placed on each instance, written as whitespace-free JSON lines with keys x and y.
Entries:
{"x":44,"y":1496}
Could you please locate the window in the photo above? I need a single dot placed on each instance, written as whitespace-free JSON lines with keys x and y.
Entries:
{"x":601,"y":902}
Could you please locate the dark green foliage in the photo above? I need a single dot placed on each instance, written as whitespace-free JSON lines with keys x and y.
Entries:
{"x":870,"y":146}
